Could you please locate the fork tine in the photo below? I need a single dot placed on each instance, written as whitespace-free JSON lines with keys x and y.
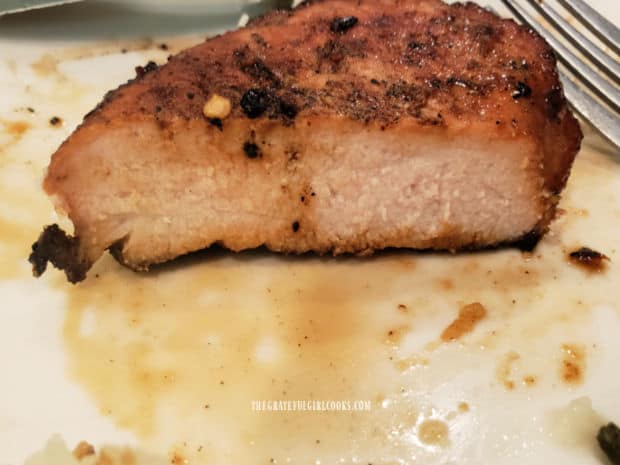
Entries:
{"x":607,"y":64}
{"x":604,"y":120}
{"x":593,"y":20}
{"x":599,"y":85}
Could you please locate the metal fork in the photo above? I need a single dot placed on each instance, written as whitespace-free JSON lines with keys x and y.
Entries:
{"x":597,"y":99}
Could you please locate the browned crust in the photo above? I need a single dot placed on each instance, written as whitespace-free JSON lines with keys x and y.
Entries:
{"x":63,"y":252}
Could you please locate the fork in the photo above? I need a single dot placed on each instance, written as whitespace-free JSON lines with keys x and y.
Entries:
{"x":598,"y":98}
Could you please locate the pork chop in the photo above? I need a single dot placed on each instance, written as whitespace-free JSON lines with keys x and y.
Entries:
{"x":342,"y":126}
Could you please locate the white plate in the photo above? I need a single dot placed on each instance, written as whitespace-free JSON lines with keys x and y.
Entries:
{"x":167,"y":364}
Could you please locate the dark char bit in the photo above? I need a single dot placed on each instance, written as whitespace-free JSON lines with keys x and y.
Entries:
{"x":529,"y":241}
{"x":296,"y":226}
{"x":55,"y":121}
{"x":61,"y":250}
{"x":343,"y":24}
{"x":252,"y":150}
{"x":608,"y":438}
{"x":255,"y":102}
{"x":554,"y":101}
{"x":522,"y":90}
{"x":589,"y":259}
{"x":286,"y":109}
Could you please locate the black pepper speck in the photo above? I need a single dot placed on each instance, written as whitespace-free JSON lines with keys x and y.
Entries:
{"x":217,"y":122}
{"x":288,"y":110}
{"x":343,"y":24}
{"x":149,"y":67}
{"x":251,"y":150}
{"x":522,"y":90}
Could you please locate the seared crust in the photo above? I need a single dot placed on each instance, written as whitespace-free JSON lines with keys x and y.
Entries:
{"x":417,"y":65}
{"x":457,"y":59}
{"x":418,"y":62}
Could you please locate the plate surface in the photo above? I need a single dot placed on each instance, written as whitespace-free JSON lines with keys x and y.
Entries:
{"x":164,"y":367}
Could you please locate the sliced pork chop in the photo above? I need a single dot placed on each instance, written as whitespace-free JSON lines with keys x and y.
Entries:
{"x":343,"y":126}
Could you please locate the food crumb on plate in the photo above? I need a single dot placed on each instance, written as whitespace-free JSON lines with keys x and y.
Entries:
{"x":434,"y":433}
{"x":504,"y":369}
{"x":469,"y":316}
{"x":83,"y":449}
{"x":573,"y":363}
{"x":55,"y":121}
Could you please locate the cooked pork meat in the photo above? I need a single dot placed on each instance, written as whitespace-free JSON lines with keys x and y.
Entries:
{"x":342,"y":126}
